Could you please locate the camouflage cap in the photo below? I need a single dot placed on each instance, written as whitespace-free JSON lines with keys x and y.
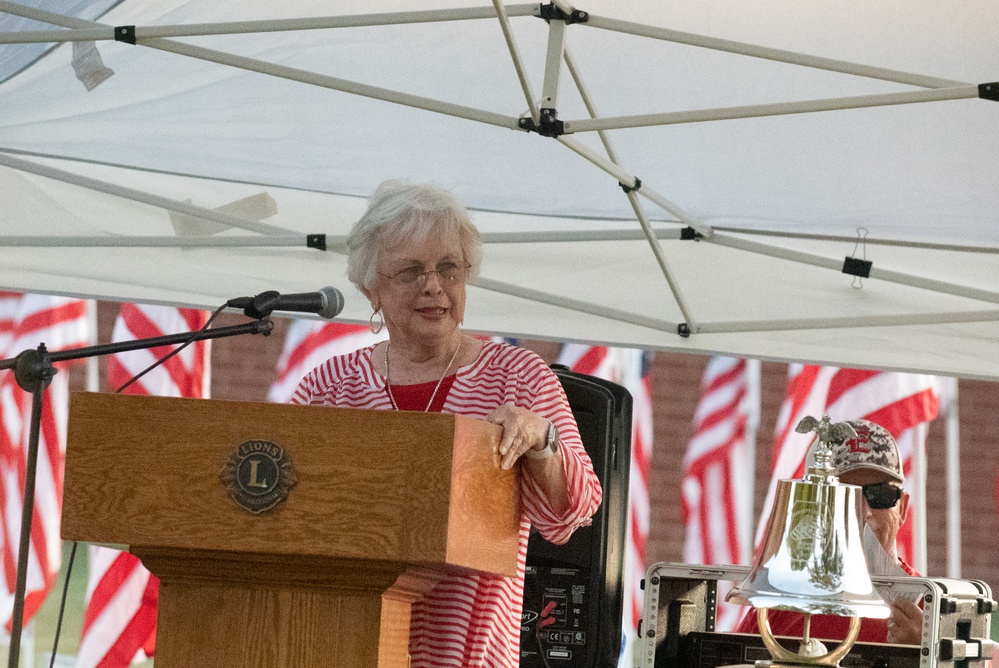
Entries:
{"x":874,"y":448}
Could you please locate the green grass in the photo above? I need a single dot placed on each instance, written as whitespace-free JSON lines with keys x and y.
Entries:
{"x":46,"y":621}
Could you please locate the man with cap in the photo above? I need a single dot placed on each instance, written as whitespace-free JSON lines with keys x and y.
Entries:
{"x":871,"y":461}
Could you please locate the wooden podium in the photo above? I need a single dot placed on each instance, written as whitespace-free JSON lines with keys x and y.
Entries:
{"x":383,"y":504}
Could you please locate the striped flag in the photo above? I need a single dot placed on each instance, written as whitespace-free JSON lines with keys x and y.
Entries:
{"x":632,"y":369}
{"x":119,"y":625}
{"x":807,"y":388}
{"x":718,"y":470}
{"x":901,"y":403}
{"x":26,"y":321}
{"x":308,"y":344}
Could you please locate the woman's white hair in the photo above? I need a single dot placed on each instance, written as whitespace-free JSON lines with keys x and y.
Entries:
{"x":402,"y":210}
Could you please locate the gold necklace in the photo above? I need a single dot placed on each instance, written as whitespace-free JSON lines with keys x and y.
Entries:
{"x":388,"y":376}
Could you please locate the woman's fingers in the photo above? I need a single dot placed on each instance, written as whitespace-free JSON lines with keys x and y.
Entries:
{"x":520,"y":432}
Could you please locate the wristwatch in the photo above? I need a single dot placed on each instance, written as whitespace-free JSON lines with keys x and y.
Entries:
{"x":551,"y":445}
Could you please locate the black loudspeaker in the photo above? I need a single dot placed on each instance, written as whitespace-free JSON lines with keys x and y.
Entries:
{"x":573,"y":596}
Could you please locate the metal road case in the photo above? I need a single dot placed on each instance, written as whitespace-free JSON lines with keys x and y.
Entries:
{"x":678,"y":623}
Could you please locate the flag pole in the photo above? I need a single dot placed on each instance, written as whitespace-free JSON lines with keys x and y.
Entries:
{"x":93,"y":373}
{"x":953,"y":482}
{"x":746,"y":523}
{"x":919,"y":497}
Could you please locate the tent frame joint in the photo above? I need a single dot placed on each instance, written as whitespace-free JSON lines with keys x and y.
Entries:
{"x":551,"y":12}
{"x":855,"y":267}
{"x":690,"y":234}
{"x":548,"y":124}
{"x":989,"y":91}
{"x":317,"y":241}
{"x":628,"y":189}
{"x":124,"y":34}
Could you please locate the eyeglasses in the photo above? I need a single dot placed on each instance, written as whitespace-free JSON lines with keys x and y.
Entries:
{"x":448,"y":272}
{"x":882,"y":495}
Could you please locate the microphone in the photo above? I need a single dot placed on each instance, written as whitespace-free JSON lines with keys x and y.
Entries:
{"x":327,"y":302}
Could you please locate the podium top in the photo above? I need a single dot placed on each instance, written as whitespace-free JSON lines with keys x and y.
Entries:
{"x":415,"y":488}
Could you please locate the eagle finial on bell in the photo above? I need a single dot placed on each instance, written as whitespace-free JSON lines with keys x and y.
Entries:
{"x":812,"y":560}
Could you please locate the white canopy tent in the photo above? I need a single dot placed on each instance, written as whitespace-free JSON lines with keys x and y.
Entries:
{"x":231,"y":132}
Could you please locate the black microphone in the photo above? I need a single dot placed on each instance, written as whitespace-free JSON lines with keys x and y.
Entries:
{"x":328,"y":303}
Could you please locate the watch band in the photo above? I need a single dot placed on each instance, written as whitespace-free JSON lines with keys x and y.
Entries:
{"x":551,"y":445}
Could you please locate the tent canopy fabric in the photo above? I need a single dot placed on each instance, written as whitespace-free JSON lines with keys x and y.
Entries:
{"x":747,"y":150}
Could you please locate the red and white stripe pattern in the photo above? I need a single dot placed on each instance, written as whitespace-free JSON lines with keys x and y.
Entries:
{"x":308,"y":344}
{"x":474,"y":620}
{"x":119,"y":625}
{"x":901,"y":403}
{"x":718,"y":460}
{"x":630,"y":368}
{"x":807,"y":389}
{"x":26,"y":321}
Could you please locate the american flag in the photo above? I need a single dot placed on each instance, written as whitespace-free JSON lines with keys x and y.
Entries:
{"x":901,"y":403}
{"x":308,"y":344}
{"x":119,"y":625}
{"x":717,"y":467}
{"x":630,"y":368}
{"x":26,"y":321}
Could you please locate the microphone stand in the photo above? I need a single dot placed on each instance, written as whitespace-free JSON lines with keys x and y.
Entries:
{"x":33,"y":371}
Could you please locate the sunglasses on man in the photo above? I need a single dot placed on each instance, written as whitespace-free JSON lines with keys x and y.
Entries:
{"x":882,"y":495}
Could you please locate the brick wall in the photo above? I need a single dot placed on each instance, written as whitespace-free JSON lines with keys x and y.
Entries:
{"x":243,"y":368}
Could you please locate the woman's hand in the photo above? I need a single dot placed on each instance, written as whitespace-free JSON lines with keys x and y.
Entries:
{"x":522,"y":430}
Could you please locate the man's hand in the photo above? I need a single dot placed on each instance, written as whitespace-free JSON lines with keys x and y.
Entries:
{"x":905,"y":625}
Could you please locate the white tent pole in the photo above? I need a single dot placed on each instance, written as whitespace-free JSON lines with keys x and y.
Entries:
{"x":768,"y":53}
{"x":140,"y":196}
{"x":636,"y":205}
{"x":841,"y":322}
{"x":575,"y":236}
{"x":675,"y":233}
{"x":93,"y":363}
{"x":276,"y":25}
{"x":629,"y":180}
{"x":550,"y":236}
{"x":657,"y":250}
{"x":599,"y":310}
{"x":868,"y":241}
{"x":837,"y":264}
{"x":334,"y":83}
{"x":953,"y":480}
{"x":284,"y":72}
{"x":553,"y":64}
{"x":702,"y":228}
{"x":591,"y":108}
{"x":746,"y":514}
{"x":518,"y":62}
{"x":645,"y":191}
{"x":964,"y":91}
{"x":156,"y":242}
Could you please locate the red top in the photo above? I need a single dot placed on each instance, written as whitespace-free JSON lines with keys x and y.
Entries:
{"x":415,"y":397}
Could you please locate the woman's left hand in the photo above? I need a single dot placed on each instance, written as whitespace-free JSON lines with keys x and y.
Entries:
{"x":522,"y":430}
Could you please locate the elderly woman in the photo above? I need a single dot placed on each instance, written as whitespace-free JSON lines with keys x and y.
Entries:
{"x":411,"y":254}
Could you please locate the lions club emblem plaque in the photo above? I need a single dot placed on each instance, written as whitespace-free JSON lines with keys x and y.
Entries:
{"x":258,"y":475}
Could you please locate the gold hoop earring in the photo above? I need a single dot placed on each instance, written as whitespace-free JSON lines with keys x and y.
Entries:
{"x":381,"y":322}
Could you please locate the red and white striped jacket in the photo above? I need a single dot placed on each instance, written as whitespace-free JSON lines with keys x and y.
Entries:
{"x":475,"y":620}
